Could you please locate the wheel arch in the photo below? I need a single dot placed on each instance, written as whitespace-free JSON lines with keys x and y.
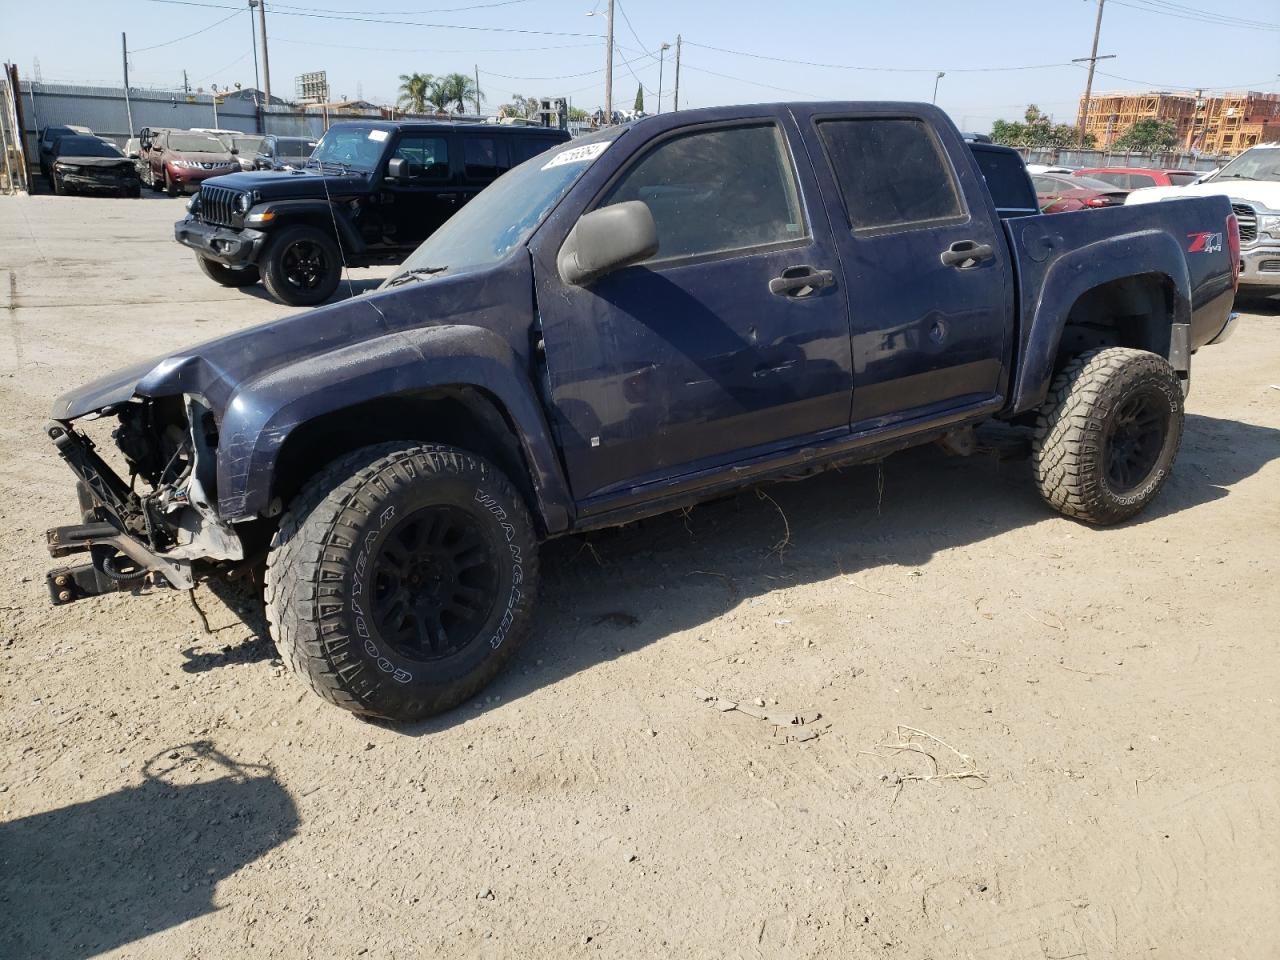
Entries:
{"x":316,"y":213}
{"x":448,"y":384}
{"x":1127,"y":291}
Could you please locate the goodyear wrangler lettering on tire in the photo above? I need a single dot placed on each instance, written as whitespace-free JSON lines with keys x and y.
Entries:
{"x":402,"y":579}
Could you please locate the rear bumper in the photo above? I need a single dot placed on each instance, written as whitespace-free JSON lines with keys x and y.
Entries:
{"x":1260,"y":266}
{"x":1227,"y":330}
{"x":235,"y":248}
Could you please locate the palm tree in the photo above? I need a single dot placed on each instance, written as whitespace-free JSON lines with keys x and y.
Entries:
{"x":453,"y":90}
{"x":416,"y":91}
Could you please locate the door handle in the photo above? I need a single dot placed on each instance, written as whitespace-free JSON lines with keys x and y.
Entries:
{"x":801,"y":281}
{"x":447,"y":196}
{"x":966,"y":254}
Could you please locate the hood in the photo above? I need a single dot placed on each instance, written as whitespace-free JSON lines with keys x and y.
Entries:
{"x":96,"y":161}
{"x":291,"y":184}
{"x":492,"y":298}
{"x":1264,"y":193}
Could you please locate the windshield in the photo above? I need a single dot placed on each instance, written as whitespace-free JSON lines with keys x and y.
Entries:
{"x":503,"y":215}
{"x":358,"y":148}
{"x":194,"y":143}
{"x":247,"y":146}
{"x":84,"y":147}
{"x":1259,"y":163}
{"x":294,"y":149}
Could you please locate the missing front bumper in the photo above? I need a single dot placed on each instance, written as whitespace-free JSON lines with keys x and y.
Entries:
{"x":105,"y":542}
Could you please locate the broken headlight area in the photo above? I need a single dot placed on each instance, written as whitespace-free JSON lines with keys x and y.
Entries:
{"x":148,"y":520}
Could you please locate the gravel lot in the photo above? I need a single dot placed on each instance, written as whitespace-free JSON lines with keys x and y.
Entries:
{"x":167,"y":791}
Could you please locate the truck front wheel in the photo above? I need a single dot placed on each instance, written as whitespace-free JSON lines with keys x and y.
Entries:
{"x":402,"y":579}
{"x":1107,"y":435}
{"x":228,"y":276}
{"x":301,"y":266}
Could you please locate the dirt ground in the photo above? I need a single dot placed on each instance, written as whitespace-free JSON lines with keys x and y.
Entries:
{"x":170,"y":792}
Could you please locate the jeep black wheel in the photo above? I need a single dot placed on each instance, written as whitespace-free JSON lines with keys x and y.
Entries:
{"x":1107,"y":435}
{"x":402,"y":579}
{"x":301,"y":266}
{"x":228,"y":276}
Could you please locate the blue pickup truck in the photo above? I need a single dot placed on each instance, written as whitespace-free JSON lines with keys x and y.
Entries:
{"x":628,"y":324}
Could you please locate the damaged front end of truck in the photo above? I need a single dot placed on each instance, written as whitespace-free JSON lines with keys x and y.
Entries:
{"x":154,"y":527}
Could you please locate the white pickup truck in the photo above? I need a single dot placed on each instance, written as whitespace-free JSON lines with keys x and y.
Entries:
{"x":1252,"y":182}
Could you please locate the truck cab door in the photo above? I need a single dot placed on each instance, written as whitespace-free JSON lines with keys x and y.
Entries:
{"x":929,"y":281}
{"x":413,"y":208}
{"x":731,"y":342}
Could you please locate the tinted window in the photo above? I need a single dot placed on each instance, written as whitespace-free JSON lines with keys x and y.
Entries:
{"x":525,"y":148}
{"x":480,"y":158}
{"x":1137,"y":180}
{"x":1053,"y":185}
{"x":1115,"y":179}
{"x":428,"y":156}
{"x":1181,"y":179}
{"x":892,"y":173}
{"x":84,"y":147}
{"x":294,"y":149}
{"x":714,"y":191}
{"x":1006,"y":178}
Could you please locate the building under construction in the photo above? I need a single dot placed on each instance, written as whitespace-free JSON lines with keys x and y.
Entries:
{"x":1218,"y":125}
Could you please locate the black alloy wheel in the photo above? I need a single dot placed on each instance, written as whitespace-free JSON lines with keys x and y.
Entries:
{"x":434,"y":583}
{"x":1135,"y":440}
{"x":304,"y":265}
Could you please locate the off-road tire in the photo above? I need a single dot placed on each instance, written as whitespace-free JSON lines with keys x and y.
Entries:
{"x":1084,"y":412}
{"x":228,"y":276}
{"x":322,"y":578}
{"x":275,"y":270}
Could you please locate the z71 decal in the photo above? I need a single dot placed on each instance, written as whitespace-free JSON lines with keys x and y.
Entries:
{"x":1204,"y":243}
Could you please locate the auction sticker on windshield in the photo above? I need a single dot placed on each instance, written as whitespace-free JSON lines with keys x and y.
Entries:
{"x":581,"y":154}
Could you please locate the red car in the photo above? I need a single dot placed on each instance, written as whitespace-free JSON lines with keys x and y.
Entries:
{"x":1059,"y":193}
{"x":177,"y":161}
{"x":1135,"y":178}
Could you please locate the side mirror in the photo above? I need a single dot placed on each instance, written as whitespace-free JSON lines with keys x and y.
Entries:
{"x":235,"y":152}
{"x":607,"y":239}
{"x":398,"y":169}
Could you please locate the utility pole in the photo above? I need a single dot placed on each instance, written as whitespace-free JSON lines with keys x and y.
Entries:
{"x":477,"y":66}
{"x":937,"y":80}
{"x":128,"y":108}
{"x":266,"y":63}
{"x":1092,"y":59}
{"x":186,"y":85}
{"x":676,"y":102}
{"x":608,"y":70}
{"x":662,"y":52}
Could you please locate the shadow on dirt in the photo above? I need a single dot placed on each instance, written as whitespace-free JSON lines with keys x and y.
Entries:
{"x":90,"y":877}
{"x":615,"y":591}
{"x":244,"y":599}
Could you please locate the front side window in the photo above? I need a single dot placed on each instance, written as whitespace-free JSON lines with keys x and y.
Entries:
{"x":716,"y":190}
{"x":428,"y":156}
{"x":480,"y":158}
{"x":892,"y":173}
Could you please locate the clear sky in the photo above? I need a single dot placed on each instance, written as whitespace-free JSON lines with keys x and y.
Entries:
{"x":552,"y":47}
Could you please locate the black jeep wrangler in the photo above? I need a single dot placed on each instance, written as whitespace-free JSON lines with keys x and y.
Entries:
{"x":370,"y":193}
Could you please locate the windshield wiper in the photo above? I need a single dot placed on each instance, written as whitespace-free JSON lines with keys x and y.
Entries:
{"x":417,"y":273}
{"x":1234,"y":176}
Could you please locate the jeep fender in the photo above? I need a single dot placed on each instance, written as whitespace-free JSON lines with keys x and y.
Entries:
{"x":263,"y":412}
{"x":1069,"y":276}
{"x":320,"y":212}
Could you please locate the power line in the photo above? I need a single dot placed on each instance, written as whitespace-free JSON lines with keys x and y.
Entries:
{"x":351,"y":46}
{"x":157,"y":46}
{"x":846,"y":66}
{"x":386,"y":23}
{"x":221,"y":69}
{"x":768,"y":86}
{"x":399,"y":13}
{"x":1174,"y":86}
{"x":1195,"y":16}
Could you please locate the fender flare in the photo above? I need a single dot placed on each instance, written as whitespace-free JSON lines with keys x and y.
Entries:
{"x":291,"y":211}
{"x":264,"y":412}
{"x":1072,"y":275}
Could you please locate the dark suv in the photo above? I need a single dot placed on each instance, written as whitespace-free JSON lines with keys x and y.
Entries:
{"x":370,"y":193}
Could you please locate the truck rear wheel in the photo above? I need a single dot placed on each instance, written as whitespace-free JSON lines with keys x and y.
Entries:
{"x":1107,"y":435}
{"x":301,"y":266}
{"x":402,"y":579}
{"x":228,"y":276}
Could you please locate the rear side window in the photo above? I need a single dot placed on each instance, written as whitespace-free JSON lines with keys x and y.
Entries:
{"x":716,"y":190}
{"x":526,"y":148}
{"x":428,"y":156}
{"x":892,"y":173}
{"x":1006,"y":178}
{"x":1115,"y":179}
{"x":1181,"y":179}
{"x":480,"y":158}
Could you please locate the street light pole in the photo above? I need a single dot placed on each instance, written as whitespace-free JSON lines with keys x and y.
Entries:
{"x":662,"y":52}
{"x":936,"y":81}
{"x":608,"y":70}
